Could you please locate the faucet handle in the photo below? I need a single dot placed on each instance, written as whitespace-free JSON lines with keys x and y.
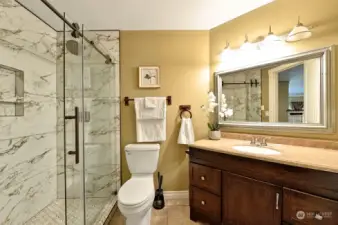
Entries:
{"x":253,"y":140}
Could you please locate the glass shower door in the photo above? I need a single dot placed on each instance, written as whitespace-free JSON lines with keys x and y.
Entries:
{"x":73,"y":123}
{"x":90,"y":135}
{"x":99,"y":129}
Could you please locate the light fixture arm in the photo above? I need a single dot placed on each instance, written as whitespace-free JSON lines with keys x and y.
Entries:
{"x":227,"y":45}
{"x":270,"y":30}
{"x":299,"y":23}
{"x":246,"y":38}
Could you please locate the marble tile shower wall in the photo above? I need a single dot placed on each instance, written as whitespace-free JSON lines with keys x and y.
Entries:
{"x":101,"y":132}
{"x":30,"y":150}
{"x":244,"y":99}
{"x":27,"y":143}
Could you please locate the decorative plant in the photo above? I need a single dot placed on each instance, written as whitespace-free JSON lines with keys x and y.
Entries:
{"x":149,"y":77}
{"x":213,"y":126}
{"x":210,"y":108}
{"x":224,"y":111}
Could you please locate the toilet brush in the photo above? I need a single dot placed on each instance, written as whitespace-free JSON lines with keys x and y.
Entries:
{"x":159,"y":198}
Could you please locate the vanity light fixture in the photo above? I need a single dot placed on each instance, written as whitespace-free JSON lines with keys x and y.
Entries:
{"x":247,"y":45}
{"x":225,"y":52}
{"x":271,"y":38}
{"x":299,"y":32}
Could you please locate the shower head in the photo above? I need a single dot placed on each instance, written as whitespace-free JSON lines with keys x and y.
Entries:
{"x":73,"y":47}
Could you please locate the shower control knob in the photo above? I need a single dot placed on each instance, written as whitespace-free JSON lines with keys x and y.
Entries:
{"x":202,"y":178}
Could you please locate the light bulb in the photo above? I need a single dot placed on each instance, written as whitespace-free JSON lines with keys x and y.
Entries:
{"x":299,"y":32}
{"x":271,"y":38}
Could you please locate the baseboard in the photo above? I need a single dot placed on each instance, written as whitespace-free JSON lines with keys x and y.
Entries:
{"x":176,"y":195}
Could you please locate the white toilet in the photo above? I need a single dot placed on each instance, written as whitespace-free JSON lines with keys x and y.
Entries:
{"x":136,"y":196}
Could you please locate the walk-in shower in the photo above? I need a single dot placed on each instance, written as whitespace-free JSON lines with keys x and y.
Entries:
{"x":59,"y":118}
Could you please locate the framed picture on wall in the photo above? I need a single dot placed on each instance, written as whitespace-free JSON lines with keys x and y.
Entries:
{"x":149,"y":77}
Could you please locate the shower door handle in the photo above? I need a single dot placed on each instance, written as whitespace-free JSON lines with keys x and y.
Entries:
{"x":77,"y":140}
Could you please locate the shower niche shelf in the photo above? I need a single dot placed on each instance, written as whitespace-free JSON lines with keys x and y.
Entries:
{"x":11,"y":92}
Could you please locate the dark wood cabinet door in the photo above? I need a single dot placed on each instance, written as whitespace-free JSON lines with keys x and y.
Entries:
{"x":300,"y":208}
{"x":247,"y":201}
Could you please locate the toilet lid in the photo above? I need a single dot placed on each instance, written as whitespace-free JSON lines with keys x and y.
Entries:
{"x":136,"y":191}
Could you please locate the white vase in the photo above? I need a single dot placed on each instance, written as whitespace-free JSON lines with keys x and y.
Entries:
{"x":215,"y":135}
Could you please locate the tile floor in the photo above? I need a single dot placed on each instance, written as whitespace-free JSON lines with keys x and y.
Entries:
{"x":97,"y":210}
{"x":175,"y":213}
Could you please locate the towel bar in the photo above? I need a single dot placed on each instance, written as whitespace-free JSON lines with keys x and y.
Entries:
{"x":127,"y":99}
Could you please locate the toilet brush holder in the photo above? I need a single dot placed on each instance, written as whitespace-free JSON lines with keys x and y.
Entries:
{"x":159,"y":197}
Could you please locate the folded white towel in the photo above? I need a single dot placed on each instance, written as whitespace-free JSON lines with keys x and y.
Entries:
{"x":186,"y":135}
{"x":143,"y":113}
{"x":151,"y":130}
{"x":150,"y":122}
{"x":150,"y":102}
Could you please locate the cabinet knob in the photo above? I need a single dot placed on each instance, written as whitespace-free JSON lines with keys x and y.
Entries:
{"x":202,"y":178}
{"x":203,"y":202}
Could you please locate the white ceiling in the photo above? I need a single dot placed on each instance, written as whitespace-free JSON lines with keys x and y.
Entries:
{"x":145,"y":14}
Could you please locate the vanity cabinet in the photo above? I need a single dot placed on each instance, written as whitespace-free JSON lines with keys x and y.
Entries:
{"x":206,"y":178}
{"x":300,"y":208}
{"x":235,"y":190}
{"x":246,"y":199}
{"x":206,"y":191}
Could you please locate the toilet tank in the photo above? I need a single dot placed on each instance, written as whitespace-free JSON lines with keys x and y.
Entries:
{"x":142,"y":158}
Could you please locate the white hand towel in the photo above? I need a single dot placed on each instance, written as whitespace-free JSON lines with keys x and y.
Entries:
{"x":150,"y":102}
{"x":186,"y":135}
{"x":143,"y":113}
{"x":150,"y":123}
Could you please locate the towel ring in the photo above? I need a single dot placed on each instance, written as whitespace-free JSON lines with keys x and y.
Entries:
{"x":185,"y":111}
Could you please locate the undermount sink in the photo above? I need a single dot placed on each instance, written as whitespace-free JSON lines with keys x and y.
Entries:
{"x":256,"y":150}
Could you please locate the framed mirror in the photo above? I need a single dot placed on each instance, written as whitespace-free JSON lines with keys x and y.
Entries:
{"x":296,"y":92}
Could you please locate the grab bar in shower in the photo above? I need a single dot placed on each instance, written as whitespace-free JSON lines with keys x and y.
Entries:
{"x":77,"y":140}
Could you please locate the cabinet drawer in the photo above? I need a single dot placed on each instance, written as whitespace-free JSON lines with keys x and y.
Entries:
{"x":302,"y":209}
{"x":206,"y":203}
{"x":206,"y":178}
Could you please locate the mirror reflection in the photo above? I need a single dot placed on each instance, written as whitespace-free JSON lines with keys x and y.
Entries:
{"x":280,"y":93}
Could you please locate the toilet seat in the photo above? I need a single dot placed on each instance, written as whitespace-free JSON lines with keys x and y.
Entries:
{"x":136,"y":192}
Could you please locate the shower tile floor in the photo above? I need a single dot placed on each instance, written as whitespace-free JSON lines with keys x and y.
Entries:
{"x":97,"y":211}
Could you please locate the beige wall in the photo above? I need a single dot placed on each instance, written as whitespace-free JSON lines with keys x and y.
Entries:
{"x":282,"y":15}
{"x":183,"y":58}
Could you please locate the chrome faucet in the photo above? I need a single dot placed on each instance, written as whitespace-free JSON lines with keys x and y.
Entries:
{"x":253,"y":141}
{"x":263,"y":142}
{"x":258,"y":142}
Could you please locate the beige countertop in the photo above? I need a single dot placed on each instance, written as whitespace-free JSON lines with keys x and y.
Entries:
{"x":306,"y":157}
